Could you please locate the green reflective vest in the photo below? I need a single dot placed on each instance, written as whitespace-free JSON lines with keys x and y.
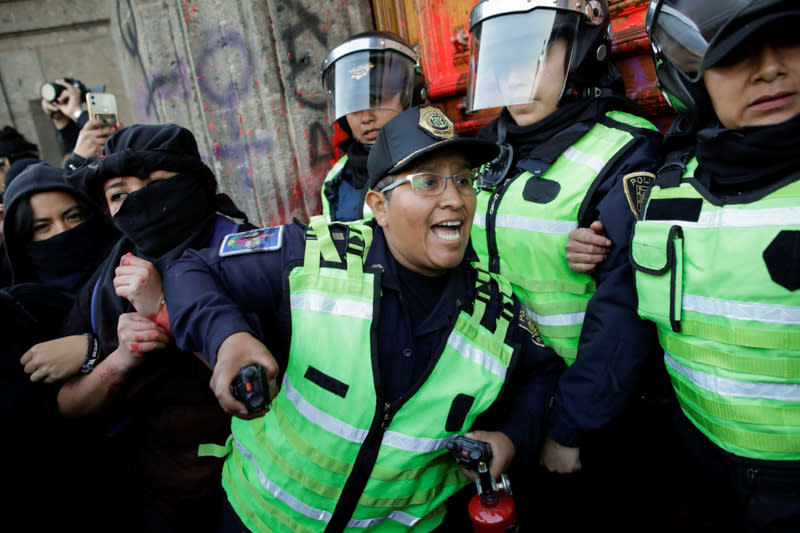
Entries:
{"x":524,"y":240}
{"x":730,"y":333}
{"x":331,"y":181}
{"x":328,"y":430}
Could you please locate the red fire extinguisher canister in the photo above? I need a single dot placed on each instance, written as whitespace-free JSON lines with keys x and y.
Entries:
{"x":492,"y":509}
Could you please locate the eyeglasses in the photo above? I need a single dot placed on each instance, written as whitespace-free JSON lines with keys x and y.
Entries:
{"x":432,"y":184}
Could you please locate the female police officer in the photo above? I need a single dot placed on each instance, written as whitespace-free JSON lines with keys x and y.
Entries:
{"x":383,"y":316}
{"x":717,"y":252}
{"x":370,"y":78}
{"x":571,"y":155}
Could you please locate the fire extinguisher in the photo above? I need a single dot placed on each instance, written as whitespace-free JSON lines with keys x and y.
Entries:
{"x":492,"y":509}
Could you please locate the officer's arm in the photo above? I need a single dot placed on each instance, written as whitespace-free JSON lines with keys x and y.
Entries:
{"x":616,"y":346}
{"x":521,"y":413}
{"x":210,"y":298}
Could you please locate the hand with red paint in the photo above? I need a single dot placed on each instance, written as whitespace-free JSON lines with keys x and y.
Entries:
{"x":137,"y":281}
{"x":236,"y":352}
{"x":92,"y":138}
{"x":503,"y":451}
{"x":138,"y":335}
{"x":95,"y":391}
{"x":55,"y":360}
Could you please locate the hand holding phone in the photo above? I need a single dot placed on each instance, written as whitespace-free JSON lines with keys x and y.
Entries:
{"x":102,"y":106}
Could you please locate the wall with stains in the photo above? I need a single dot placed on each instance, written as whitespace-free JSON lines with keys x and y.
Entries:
{"x":244,"y":77}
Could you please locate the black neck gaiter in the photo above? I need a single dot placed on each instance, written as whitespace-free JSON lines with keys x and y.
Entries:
{"x":357,"y":155}
{"x":748,"y":159}
{"x":165,"y":214}
{"x":68,"y":259}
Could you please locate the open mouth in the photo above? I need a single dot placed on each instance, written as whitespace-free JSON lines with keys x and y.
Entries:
{"x":371,"y":134}
{"x":448,"y":231}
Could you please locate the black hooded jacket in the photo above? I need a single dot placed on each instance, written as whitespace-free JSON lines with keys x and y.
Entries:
{"x":165,"y":407}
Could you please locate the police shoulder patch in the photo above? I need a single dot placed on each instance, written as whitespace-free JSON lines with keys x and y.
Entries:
{"x":636,"y":185}
{"x":257,"y":240}
{"x":526,"y":323}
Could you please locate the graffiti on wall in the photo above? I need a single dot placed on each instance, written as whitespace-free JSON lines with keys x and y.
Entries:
{"x":225,"y":75}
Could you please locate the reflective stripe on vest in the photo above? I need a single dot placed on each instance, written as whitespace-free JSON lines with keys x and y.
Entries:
{"x":530,"y":248}
{"x":288,"y":469}
{"x":730,"y":333}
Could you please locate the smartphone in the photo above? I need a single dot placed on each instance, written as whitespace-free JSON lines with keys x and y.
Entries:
{"x":102,"y":106}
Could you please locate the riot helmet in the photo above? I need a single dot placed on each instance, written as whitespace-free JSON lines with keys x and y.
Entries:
{"x":689,"y":36}
{"x":371,"y":70}
{"x":538,"y":50}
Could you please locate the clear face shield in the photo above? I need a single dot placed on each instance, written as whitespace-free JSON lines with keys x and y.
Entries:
{"x":683,"y":30}
{"x":369,"y":79}
{"x":518,"y":58}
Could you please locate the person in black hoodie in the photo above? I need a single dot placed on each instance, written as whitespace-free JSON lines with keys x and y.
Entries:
{"x":53,"y":233}
{"x":163,"y":199}
{"x":55,"y":237}
{"x":55,"y":241}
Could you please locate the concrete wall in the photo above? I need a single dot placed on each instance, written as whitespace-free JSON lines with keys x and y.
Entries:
{"x":243,"y":75}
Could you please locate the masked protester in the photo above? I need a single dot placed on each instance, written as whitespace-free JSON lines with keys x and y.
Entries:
{"x":383,"y":316}
{"x":163,"y":199}
{"x":54,"y":241}
{"x":571,"y":154}
{"x":370,"y":78}
{"x":57,"y":238}
{"x":717,"y":253}
{"x":53,"y":233}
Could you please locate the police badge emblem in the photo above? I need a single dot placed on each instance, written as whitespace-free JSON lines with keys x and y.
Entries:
{"x":434,"y":121}
{"x":636,"y":185}
{"x":359,"y":71}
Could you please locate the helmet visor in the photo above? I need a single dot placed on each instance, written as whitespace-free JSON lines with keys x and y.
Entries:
{"x":520,"y":58}
{"x":369,"y":79}
{"x":683,"y":30}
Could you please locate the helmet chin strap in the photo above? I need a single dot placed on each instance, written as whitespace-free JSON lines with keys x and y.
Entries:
{"x":495,"y":170}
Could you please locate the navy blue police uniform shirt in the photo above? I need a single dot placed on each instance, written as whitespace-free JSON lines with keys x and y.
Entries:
{"x":210,"y":297}
{"x":617,"y":348}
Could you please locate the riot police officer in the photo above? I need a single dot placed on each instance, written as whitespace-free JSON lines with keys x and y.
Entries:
{"x":717,"y":252}
{"x":370,"y":78}
{"x":571,"y":155}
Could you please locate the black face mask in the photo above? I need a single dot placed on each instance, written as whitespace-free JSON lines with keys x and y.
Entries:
{"x":165,"y":213}
{"x":68,"y":259}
